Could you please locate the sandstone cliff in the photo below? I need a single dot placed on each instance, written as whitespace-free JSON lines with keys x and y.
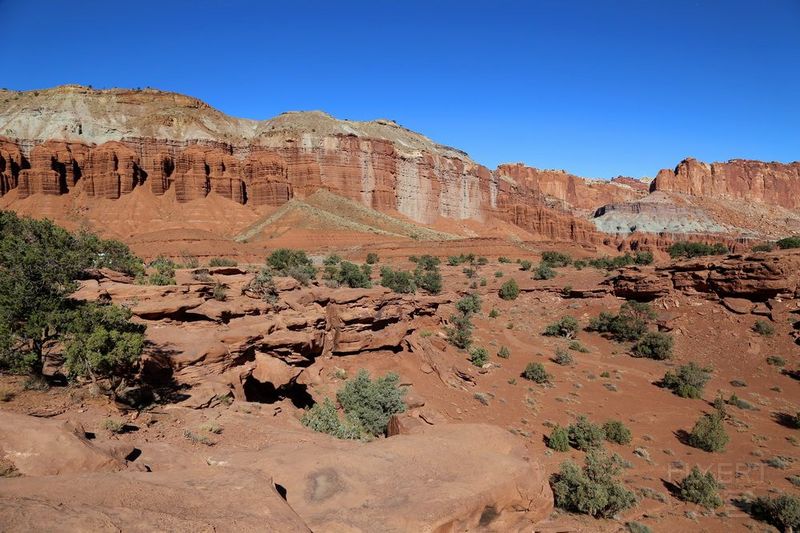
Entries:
{"x":105,"y":144}
{"x":739,"y":179}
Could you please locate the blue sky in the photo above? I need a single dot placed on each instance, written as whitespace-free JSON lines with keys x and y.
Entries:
{"x":600,"y":88}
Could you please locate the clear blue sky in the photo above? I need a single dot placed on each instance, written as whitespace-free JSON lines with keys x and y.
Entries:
{"x":599,"y":88}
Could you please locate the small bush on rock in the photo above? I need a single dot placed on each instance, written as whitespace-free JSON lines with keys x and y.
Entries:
{"x":398,"y":280}
{"x":372,"y":402}
{"x":292,"y":263}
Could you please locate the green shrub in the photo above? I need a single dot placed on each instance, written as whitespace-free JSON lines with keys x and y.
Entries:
{"x":39,"y":263}
{"x":219,"y":292}
{"x":782,"y":511}
{"x":398,"y":280}
{"x":617,"y":432}
{"x":427,"y":275}
{"x":566,"y":327}
{"x":556,"y":259}
{"x":709,"y":433}
{"x":428,"y":262}
{"x":189,"y":261}
{"x":788,"y":242}
{"x":558,"y":439}
{"x":114,"y":426}
{"x":643,"y":258}
{"x":579,"y":264}
{"x":563,"y":357}
{"x":469,"y":272}
{"x":101,"y":253}
{"x":738,"y":402}
{"x":685,"y":249}
{"x":494,"y":313}
{"x":764,"y":328}
{"x":578,"y":347}
{"x":610,"y":263}
{"x":483,"y":282}
{"x":371,"y":403}
{"x":353,"y":276}
{"x":636,"y":527}
{"x":222,"y":262}
{"x":100,"y":341}
{"x":323,"y":418}
{"x":654,"y":345}
{"x":584,"y":435}
{"x":460,"y":334}
{"x":701,"y":489}
{"x":292,"y":263}
{"x":688,"y":381}
{"x":482,"y":261}
{"x":544,"y":272}
{"x":535,"y":372}
{"x":503,"y":259}
{"x":165,"y":271}
{"x":763,"y":247}
{"x":776,"y":360}
{"x":372,"y":258}
{"x":629,"y":325}
{"x":263,"y":286}
{"x":478,"y":356}
{"x":592,"y":490}
{"x":503,"y":353}
{"x":469,"y":304}
{"x":498,"y":274}
{"x":525,"y":265}
{"x":509,"y":290}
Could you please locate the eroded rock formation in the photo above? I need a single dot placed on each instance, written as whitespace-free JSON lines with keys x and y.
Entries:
{"x":739,"y":179}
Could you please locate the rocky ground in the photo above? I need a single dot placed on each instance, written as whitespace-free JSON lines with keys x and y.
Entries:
{"x":470,"y":452}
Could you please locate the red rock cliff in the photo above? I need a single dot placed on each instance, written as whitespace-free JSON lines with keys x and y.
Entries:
{"x":739,"y":179}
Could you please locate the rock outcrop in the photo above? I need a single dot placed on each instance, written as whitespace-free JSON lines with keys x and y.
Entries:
{"x":253,"y":349}
{"x":429,"y":480}
{"x":210,"y":499}
{"x":738,"y":179}
{"x":108,"y":143}
{"x":570,"y":191}
{"x":755,"y":277}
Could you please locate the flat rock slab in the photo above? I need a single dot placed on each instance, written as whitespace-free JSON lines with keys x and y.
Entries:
{"x":44,"y":447}
{"x":458,"y":477}
{"x":202,"y":500}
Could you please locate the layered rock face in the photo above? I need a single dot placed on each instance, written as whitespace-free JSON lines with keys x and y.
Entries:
{"x":739,"y":179}
{"x":122,"y":140}
{"x":108,"y":143}
{"x":758,"y":277}
{"x":572,"y":191}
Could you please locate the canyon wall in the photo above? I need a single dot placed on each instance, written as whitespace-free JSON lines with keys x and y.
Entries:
{"x":105,"y":144}
{"x":570,"y":191}
{"x":738,"y":179}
